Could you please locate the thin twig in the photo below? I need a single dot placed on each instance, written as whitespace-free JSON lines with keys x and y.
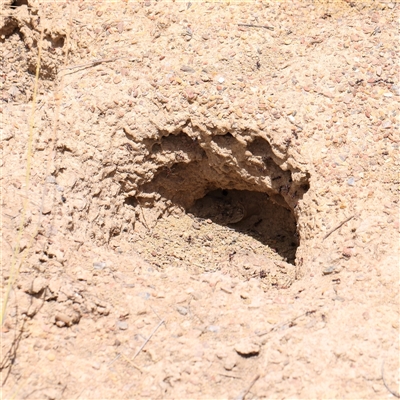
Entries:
{"x":230,"y":376}
{"x":337,"y":227}
{"x":132,"y":363}
{"x":244,"y":393}
{"x":147,"y":340}
{"x":271,"y":28}
{"x":198,"y":265}
{"x":144,"y":219}
{"x":79,"y":395}
{"x":291,"y":321}
{"x":115,"y":359}
{"x":91,"y":64}
{"x":393,"y":392}
{"x":141,"y":347}
{"x":95,"y":63}
{"x":154,"y":311}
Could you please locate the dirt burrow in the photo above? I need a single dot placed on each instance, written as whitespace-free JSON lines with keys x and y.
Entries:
{"x":224,"y":195}
{"x":237,"y":183}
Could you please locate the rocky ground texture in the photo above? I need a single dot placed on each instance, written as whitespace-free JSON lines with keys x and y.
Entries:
{"x":200,"y":199}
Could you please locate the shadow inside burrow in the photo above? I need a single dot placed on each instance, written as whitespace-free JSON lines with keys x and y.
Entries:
{"x":247,"y":212}
{"x":251,"y":213}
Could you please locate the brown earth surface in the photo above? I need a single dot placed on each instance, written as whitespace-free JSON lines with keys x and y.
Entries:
{"x":200,"y":199}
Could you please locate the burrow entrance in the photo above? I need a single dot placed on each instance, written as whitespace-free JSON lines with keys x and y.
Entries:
{"x":252,"y":214}
{"x":218,"y":202}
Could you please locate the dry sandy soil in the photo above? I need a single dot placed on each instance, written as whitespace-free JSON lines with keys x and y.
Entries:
{"x":199,"y":199}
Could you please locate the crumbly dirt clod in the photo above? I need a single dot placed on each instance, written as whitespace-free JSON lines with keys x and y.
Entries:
{"x":212,"y":205}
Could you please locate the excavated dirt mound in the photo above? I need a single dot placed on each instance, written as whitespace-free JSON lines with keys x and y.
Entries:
{"x":199,"y":200}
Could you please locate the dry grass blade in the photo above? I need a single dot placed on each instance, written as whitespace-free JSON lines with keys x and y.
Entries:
{"x":393,"y":392}
{"x":247,"y":390}
{"x":148,"y":339}
{"x":338,"y":226}
{"x":14,"y":264}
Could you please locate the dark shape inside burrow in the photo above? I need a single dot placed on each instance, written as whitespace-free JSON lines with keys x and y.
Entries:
{"x":254,"y":214}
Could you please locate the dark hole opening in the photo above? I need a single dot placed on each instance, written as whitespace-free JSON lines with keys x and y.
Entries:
{"x":254,"y":214}
{"x":19,"y":3}
{"x":58,"y":42}
{"x":9,"y":27}
{"x":156,"y":148}
{"x":131,"y":201}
